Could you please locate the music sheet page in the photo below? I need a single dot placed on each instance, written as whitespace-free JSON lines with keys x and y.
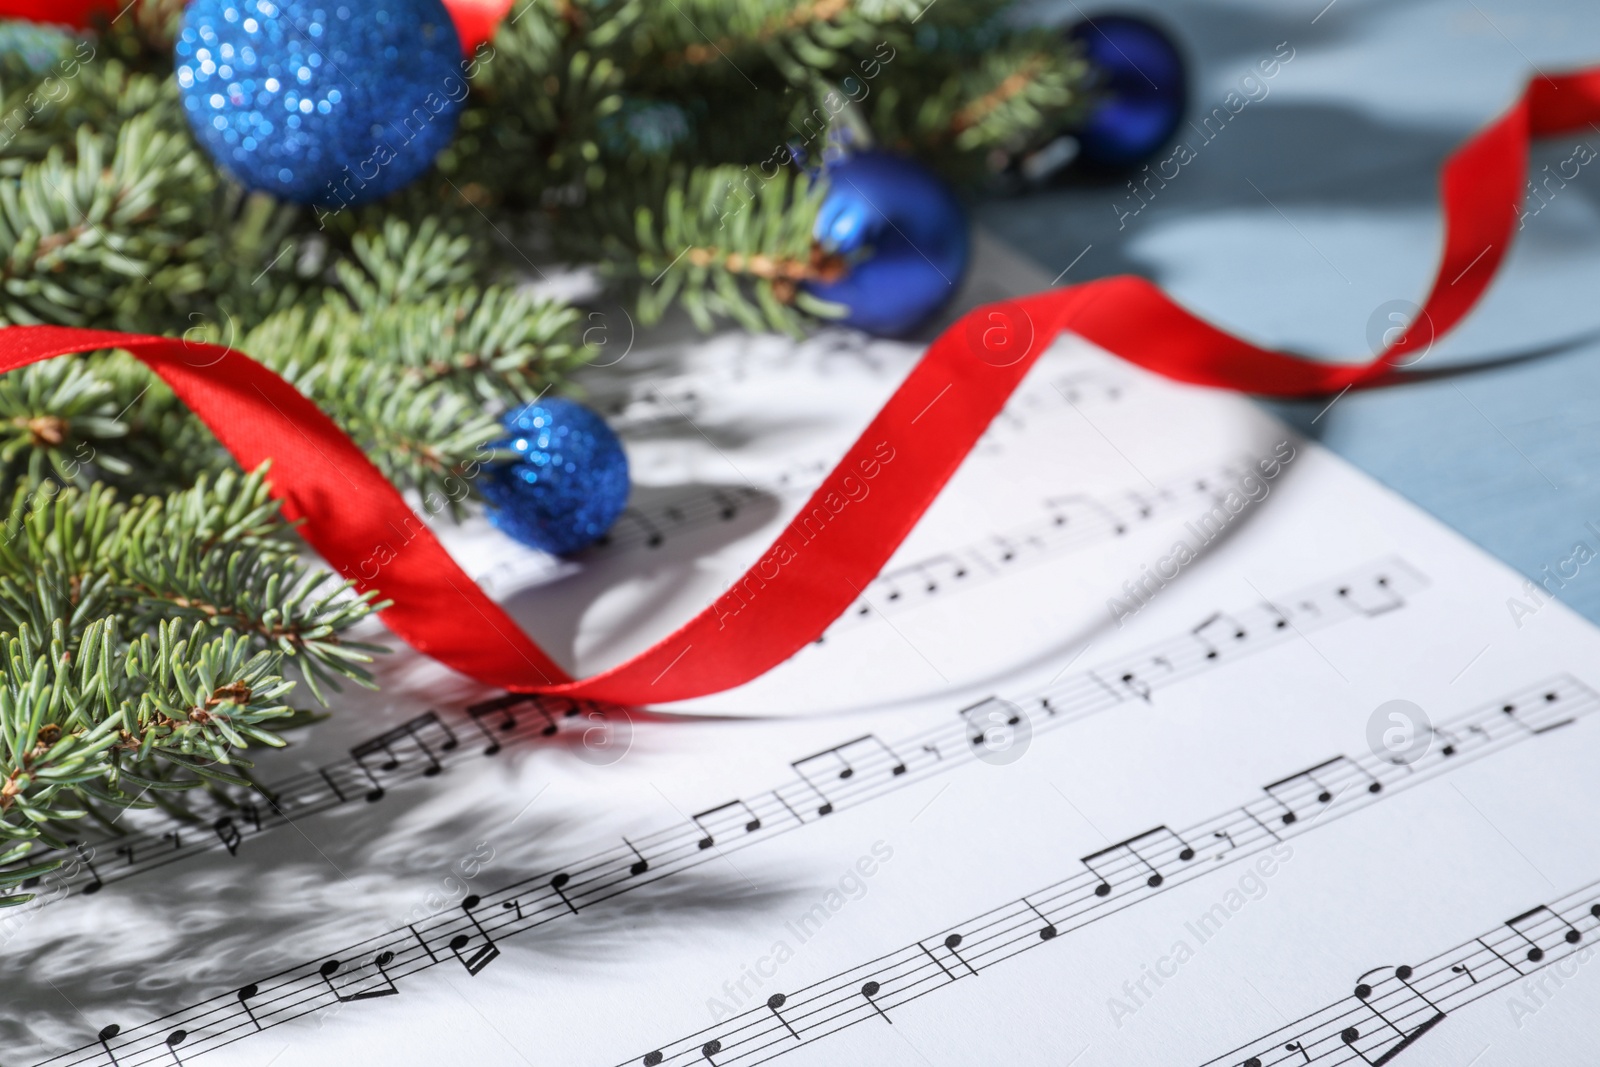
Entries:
{"x":1167,"y":737}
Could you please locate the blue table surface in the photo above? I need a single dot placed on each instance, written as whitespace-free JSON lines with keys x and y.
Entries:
{"x":1317,"y":204}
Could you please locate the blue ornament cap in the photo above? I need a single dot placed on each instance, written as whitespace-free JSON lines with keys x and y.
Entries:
{"x":327,"y":102}
{"x":569,"y":483}
{"x":903,"y":231}
{"x":1143,"y":85}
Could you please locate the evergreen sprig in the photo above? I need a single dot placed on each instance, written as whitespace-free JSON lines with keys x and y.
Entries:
{"x":729,"y":244}
{"x":155,"y":611}
{"x":176,"y":626}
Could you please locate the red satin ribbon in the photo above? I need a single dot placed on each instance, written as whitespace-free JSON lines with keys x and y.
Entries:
{"x":76,"y":13}
{"x":820,"y":563}
{"x":476,"y":20}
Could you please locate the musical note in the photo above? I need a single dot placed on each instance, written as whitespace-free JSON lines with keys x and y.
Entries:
{"x":332,"y":784}
{"x":897,"y":766}
{"x":1223,"y":622}
{"x":1323,"y":794}
{"x":1450,"y":741}
{"x":870,"y":990}
{"x":559,"y":882}
{"x":1363,"y":992}
{"x":1135,"y":685}
{"x":1007,"y":547}
{"x":550,"y":726}
{"x":641,"y":864}
{"x":752,"y":821}
{"x":1154,"y":879}
{"x":244,"y":994}
{"x":1511,"y":711}
{"x":174,"y":1039}
{"x":486,"y":953}
{"x":710,"y":1049}
{"x":228,"y":833}
{"x":1378,"y":600}
{"x":1082,"y":385}
{"x":374,"y":794}
{"x":413,"y":731}
{"x":1048,"y":930}
{"x":500,"y":706}
{"x":651,"y":1059}
{"x":826,"y":807}
{"x":924,"y":577}
{"x":951,"y":944}
{"x":729,"y":506}
{"x":652,"y":533}
{"x":775,"y":1002}
{"x":1536,"y":917}
{"x":85,"y":854}
{"x":996,"y":728}
{"x":105,"y":1036}
{"x":382,"y":960}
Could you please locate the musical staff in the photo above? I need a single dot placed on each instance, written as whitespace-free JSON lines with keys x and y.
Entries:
{"x":379,"y":962}
{"x":1157,"y":860}
{"x":1392,"y":1008}
{"x":487,"y":951}
{"x":1111,"y":858}
{"x":741,"y":812}
{"x":648,"y":526}
{"x":1292,"y":793}
{"x":425,"y":746}
{"x":472,"y":936}
{"x":412,"y":733}
{"x":1071,"y":523}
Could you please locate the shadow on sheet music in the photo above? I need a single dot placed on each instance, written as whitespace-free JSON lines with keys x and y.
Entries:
{"x":661,"y":533}
{"x":1072,"y":644}
{"x":150,"y":945}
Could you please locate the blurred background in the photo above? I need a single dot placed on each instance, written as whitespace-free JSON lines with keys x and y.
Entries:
{"x":1316,"y":210}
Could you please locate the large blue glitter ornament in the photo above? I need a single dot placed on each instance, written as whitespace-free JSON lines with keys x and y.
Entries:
{"x":328,"y":102}
{"x":1142,"y":89}
{"x":902,"y":232}
{"x":570,"y":483}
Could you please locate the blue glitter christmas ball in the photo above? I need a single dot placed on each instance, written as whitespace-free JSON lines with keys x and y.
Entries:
{"x":570,"y":483}
{"x":1142,"y":85}
{"x":328,"y":102}
{"x":904,"y":235}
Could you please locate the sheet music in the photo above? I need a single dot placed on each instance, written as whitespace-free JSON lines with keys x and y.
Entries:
{"x":1053,"y":791}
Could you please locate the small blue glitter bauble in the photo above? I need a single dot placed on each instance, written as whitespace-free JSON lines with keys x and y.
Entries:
{"x":1142,"y":86}
{"x":904,"y":233}
{"x":330,"y":102}
{"x":570,"y":483}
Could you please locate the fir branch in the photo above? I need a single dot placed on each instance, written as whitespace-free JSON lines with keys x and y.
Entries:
{"x":725,"y":244}
{"x":177,"y":625}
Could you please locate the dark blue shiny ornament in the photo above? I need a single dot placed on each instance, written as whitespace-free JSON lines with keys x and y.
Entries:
{"x":328,"y":102}
{"x":903,"y":234}
{"x":1140,"y":78}
{"x":570,"y":483}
